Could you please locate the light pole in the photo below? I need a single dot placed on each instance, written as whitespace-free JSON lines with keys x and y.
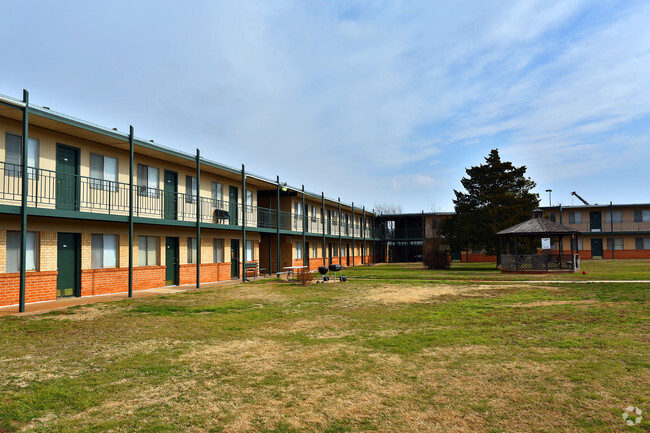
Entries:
{"x":549,"y":196}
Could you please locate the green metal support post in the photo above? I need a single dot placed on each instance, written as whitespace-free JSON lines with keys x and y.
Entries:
{"x":243,"y":221}
{"x":277,"y":212}
{"x":340,"y":217}
{"x":198,"y":218}
{"x":424,"y":234}
{"x":353,"y":226}
{"x":131,"y":211}
{"x":304,"y":226}
{"x":611,"y":226}
{"x":23,"y":207}
{"x":363,"y":233}
{"x":323,"y":223}
{"x":374,"y":251}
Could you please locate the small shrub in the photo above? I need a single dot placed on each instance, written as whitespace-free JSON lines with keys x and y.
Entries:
{"x":304,"y":277}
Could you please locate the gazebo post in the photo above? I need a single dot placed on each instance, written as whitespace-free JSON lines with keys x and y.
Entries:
{"x":516,"y":261}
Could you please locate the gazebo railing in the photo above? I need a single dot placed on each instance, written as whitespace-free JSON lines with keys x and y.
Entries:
{"x":539,"y":262}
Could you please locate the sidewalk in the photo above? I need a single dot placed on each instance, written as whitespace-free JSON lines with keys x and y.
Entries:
{"x":62,"y":304}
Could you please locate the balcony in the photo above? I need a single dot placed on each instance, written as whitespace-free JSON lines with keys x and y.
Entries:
{"x":59,"y":194}
{"x":606,"y":227}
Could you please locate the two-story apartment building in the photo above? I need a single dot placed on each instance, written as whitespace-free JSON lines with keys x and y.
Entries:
{"x":101,"y":211}
{"x":618,"y":231}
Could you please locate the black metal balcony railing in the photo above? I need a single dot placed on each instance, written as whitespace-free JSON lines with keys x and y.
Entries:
{"x":605,"y":226}
{"x":48,"y":189}
{"x":404,"y":233}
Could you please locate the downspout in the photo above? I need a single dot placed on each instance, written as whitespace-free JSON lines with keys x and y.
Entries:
{"x":363,"y":233}
{"x":23,"y":207}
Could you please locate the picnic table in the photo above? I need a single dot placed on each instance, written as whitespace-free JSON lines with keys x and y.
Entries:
{"x":290,"y":270}
{"x":254,"y":268}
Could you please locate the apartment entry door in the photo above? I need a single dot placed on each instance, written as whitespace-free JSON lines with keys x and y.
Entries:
{"x":171,"y":201}
{"x":234,"y":258}
{"x":306,"y":254}
{"x":67,"y":177}
{"x":595,"y":221}
{"x":171,"y":261}
{"x":597,"y":248}
{"x":232,"y":201}
{"x":68,"y":265}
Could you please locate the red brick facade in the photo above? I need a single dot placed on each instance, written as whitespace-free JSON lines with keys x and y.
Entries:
{"x":39,"y":286}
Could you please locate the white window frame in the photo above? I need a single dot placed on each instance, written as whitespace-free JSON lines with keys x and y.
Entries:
{"x":250,"y":251}
{"x":217,"y":251}
{"x":249,"y":197}
{"x":148,"y":181}
{"x":13,"y":251}
{"x":101,"y":254}
{"x":575,"y":217}
{"x":618,"y":244}
{"x":149,"y":245}
{"x":103,"y":177}
{"x":191,"y":191}
{"x":192,"y":251}
{"x":616,"y":215}
{"x":298,"y":250}
{"x":15,"y":168}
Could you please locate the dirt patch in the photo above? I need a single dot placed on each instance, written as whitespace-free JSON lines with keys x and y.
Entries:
{"x":551,"y":303}
{"x":397,"y":294}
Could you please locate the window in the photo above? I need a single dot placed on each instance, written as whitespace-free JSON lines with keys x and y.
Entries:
{"x":190,"y":189}
{"x":14,"y":155}
{"x":13,"y":251}
{"x":147,"y":251}
{"x":298,"y":250}
{"x":191,"y":250}
{"x":217,"y":193}
{"x":103,"y":171}
{"x":618,"y":243}
{"x":579,"y":246}
{"x":250,"y":251}
{"x":335,"y":218}
{"x":313,"y":213}
{"x":575,"y":217}
{"x":641,"y":216}
{"x":551,"y":216}
{"x":103,"y":250}
{"x":217,"y":251}
{"x":336,"y":251}
{"x":249,"y":198}
{"x":642,"y":243}
{"x":614,"y":217}
{"x":147,"y":181}
{"x":314,"y":249}
{"x":297,"y":209}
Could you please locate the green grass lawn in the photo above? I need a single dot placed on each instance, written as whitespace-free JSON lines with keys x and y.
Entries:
{"x":377,"y":354}
{"x":596,"y":270}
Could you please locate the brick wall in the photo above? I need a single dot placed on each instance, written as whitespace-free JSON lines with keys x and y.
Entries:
{"x":39,"y":286}
{"x":210,"y":272}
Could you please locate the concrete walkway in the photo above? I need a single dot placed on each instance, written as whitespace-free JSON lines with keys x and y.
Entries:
{"x":63,"y":303}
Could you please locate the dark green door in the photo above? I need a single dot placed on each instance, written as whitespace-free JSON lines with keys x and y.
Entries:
{"x":171,"y":197}
{"x":234,"y":258}
{"x":171,"y":261}
{"x":455,"y":255}
{"x":595,"y":221}
{"x":329,"y":222}
{"x":306,"y":254}
{"x":597,"y":248}
{"x":347,"y":254}
{"x":67,"y":179}
{"x":68,"y":265}
{"x":232,"y":200}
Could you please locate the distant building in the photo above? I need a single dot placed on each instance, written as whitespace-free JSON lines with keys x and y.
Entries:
{"x":619,"y":231}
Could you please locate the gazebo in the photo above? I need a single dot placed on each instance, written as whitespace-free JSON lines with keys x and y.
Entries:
{"x":539,"y":260}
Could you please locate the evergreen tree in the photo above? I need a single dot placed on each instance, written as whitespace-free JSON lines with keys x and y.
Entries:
{"x":498,"y":195}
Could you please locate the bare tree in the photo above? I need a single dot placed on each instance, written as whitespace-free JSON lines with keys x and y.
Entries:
{"x":388,"y":208}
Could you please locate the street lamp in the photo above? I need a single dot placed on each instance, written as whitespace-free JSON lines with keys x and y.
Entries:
{"x":549,"y":197}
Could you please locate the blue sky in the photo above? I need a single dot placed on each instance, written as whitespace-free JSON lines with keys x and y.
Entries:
{"x":375,"y":102}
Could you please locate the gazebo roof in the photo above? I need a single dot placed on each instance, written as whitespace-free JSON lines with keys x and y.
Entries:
{"x":538,"y":226}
